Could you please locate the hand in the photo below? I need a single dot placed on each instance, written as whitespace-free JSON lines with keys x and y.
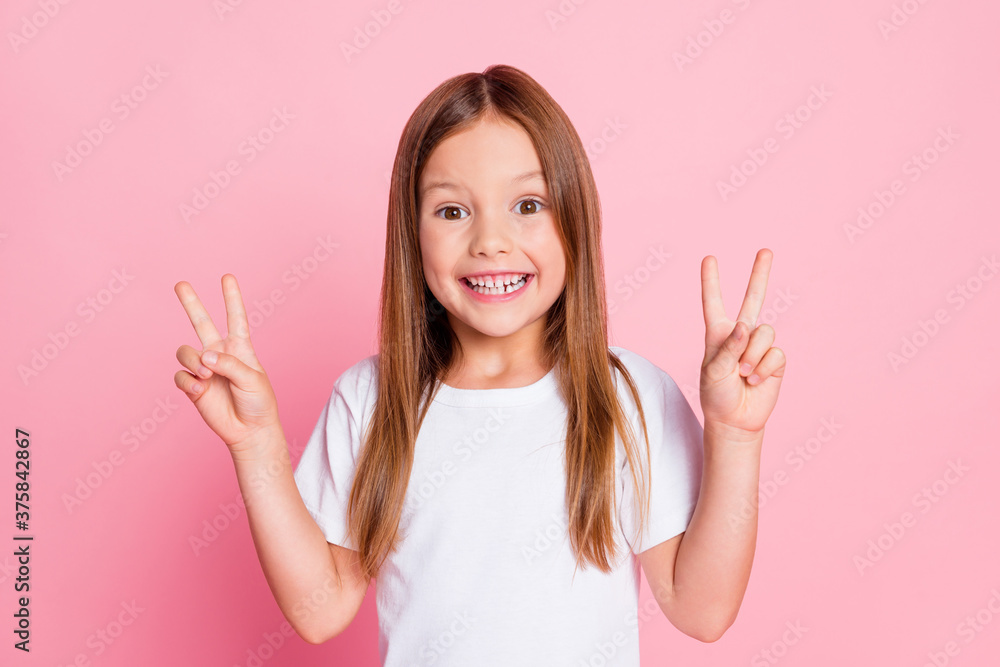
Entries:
{"x":235,"y":397}
{"x":741,"y":372}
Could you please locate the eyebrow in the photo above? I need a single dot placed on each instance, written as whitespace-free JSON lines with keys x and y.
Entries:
{"x":448,"y":185}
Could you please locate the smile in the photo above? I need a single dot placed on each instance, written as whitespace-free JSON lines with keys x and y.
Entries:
{"x":496,"y":288}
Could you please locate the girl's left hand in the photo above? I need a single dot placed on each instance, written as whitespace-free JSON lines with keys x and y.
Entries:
{"x":741,"y":372}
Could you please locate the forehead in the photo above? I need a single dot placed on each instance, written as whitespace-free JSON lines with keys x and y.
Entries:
{"x":488,"y":153}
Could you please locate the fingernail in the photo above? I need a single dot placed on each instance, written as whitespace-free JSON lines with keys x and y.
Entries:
{"x":204,"y":372}
{"x":744,"y":369}
{"x":753,"y":379}
{"x":210,"y":357}
{"x":196,"y":388}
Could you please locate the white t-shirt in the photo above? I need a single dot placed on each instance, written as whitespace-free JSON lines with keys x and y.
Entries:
{"x":482,"y":575}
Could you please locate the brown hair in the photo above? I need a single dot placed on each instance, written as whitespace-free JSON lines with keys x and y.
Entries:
{"x":415,"y":340}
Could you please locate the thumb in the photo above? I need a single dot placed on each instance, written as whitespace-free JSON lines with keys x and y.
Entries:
{"x":728,"y":356}
{"x":231,"y":368}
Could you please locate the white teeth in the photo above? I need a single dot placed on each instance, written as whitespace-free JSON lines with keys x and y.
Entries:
{"x":496,"y":281}
{"x":504,"y":286}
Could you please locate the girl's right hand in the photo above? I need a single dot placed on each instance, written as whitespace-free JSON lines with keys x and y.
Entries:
{"x":232,"y":394}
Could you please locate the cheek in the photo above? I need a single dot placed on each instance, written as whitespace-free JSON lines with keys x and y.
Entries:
{"x":557,"y":272}
{"x":550,"y":250}
{"x":428,"y":244}
{"x":437,"y":259}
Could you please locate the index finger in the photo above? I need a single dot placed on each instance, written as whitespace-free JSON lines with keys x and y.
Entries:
{"x":711,"y":294}
{"x":202,"y":321}
{"x":753,"y":300}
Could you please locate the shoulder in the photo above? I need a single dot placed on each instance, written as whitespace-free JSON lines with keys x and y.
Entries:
{"x":646,"y":374}
{"x":651,"y":381}
{"x":356,"y":385}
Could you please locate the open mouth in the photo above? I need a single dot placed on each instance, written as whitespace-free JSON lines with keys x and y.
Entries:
{"x":493,"y":285}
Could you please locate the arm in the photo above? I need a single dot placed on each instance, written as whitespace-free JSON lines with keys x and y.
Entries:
{"x":317,"y":585}
{"x":700,"y":576}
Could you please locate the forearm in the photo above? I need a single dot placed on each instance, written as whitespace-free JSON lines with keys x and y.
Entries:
{"x":292,"y":550}
{"x":715,"y":555}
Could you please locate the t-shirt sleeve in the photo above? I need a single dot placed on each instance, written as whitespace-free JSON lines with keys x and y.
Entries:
{"x":675,"y":464}
{"x":325,"y":472}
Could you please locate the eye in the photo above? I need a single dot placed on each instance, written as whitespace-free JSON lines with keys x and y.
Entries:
{"x":534,"y":207}
{"x":448,"y":216}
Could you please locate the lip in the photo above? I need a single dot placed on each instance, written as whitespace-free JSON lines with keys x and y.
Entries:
{"x":496,"y":298}
{"x":494,"y":272}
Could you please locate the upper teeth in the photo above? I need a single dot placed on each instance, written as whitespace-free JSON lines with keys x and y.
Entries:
{"x":496,"y":281}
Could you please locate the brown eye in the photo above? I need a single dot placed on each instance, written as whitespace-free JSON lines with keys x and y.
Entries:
{"x":450,"y":213}
{"x":532,"y":204}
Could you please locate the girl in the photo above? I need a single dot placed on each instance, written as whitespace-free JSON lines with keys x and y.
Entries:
{"x":486,"y":466}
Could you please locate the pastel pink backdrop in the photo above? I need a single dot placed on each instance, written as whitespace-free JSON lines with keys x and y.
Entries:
{"x":662,"y":133}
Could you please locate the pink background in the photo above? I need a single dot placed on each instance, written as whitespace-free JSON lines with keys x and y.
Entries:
{"x":662,"y":135}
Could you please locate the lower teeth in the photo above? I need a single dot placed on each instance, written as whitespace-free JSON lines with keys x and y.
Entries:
{"x":505,"y":289}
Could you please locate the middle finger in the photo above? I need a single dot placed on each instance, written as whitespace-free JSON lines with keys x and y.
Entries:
{"x":757,"y":287}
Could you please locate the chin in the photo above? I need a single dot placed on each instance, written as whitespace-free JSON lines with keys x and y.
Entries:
{"x":495,"y":329}
{"x":499,"y":332}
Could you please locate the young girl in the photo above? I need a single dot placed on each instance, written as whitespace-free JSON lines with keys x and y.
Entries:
{"x":498,"y":468}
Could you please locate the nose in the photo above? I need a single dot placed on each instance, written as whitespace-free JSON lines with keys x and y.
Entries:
{"x":491,"y":233}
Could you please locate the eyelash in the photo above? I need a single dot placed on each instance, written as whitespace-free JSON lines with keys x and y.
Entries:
{"x":540,"y":205}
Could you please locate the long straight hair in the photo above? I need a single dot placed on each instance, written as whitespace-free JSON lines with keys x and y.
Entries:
{"x":416,"y":341}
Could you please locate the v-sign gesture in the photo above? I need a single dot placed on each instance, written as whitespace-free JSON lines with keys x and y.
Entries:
{"x":741,"y":372}
{"x":224,"y":380}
